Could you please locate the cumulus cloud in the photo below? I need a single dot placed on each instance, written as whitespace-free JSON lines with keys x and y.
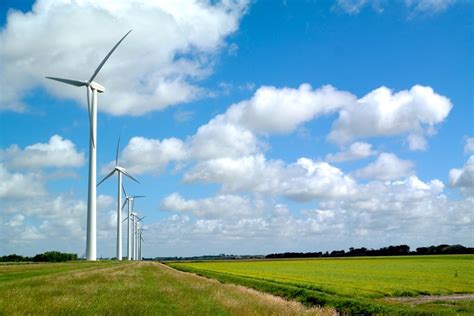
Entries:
{"x":463,"y":178}
{"x":303,"y":180}
{"x":41,"y":223}
{"x":143,"y":155}
{"x":58,"y":152}
{"x":221,"y":206}
{"x":387,"y":166}
{"x":357,"y":150}
{"x":237,"y":133}
{"x":170,"y":49}
{"x":248,"y":173}
{"x":17,"y":185}
{"x":281,"y":110}
{"x":219,"y":138}
{"x":404,"y":211}
{"x":306,"y":180}
{"x":469,"y":146}
{"x":383,"y":113}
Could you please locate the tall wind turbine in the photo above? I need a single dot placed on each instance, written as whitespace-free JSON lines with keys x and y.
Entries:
{"x":120,"y":170}
{"x":92,"y":88}
{"x":129,"y":199}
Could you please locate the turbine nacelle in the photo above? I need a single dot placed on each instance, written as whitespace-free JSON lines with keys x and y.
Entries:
{"x":94,"y":85}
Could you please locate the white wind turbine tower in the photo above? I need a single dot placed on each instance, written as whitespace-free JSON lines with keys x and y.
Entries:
{"x":120,"y":170}
{"x":136,"y":220}
{"x":129,"y":199}
{"x":140,"y":239}
{"x":92,"y":88}
{"x":134,"y":233}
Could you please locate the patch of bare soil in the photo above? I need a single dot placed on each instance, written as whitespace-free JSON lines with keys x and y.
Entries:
{"x":431,"y":298}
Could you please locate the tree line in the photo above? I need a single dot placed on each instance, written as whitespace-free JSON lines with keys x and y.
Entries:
{"x":49,"y":256}
{"x":401,"y":250}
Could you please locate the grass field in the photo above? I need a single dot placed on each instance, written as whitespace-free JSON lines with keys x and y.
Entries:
{"x":130,"y":288}
{"x":356,"y":284}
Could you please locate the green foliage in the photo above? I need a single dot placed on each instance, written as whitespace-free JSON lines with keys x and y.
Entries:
{"x":54,"y":256}
{"x":351,"y":285}
{"x":49,"y":256}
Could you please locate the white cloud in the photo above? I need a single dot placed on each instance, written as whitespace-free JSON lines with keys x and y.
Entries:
{"x":381,"y":213}
{"x":428,"y":6}
{"x":221,"y":206}
{"x":235,"y":133}
{"x":414,"y":6}
{"x":357,"y":150}
{"x":219,"y":138}
{"x":183,"y":116}
{"x":306,"y":180}
{"x":171,"y":47}
{"x":463,"y":178}
{"x":303,"y":180}
{"x":384,"y":113}
{"x":20,"y":185}
{"x":417,"y":142}
{"x":469,"y":146}
{"x":58,"y":152}
{"x":281,"y":110}
{"x":355,"y":6}
{"x":387,"y":166}
{"x":248,"y":173}
{"x":40,"y":223}
{"x":142,"y":155}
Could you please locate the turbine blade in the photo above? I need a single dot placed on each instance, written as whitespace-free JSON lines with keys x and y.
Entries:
{"x":130,"y":176}
{"x":76,"y":83}
{"x":90,"y":115}
{"x":123,"y":205}
{"x":107,"y":57}
{"x":138,"y":196}
{"x":140,"y":218}
{"x":117,"y":152}
{"x":108,"y":176}
{"x":125,"y":219}
{"x":123,"y":189}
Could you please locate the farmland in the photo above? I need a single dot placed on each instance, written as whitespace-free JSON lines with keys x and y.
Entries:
{"x":130,"y":288}
{"x":377,"y":284}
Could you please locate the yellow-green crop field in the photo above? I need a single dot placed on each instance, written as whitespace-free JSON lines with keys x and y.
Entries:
{"x":409,"y":284}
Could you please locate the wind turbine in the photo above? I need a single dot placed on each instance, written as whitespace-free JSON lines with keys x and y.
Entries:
{"x":136,"y":220}
{"x":140,"y":239}
{"x":120,"y":170}
{"x":92,"y":88}
{"x":129,"y":200}
{"x":134,"y":233}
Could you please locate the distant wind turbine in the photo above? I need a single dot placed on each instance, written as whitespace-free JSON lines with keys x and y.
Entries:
{"x":92,"y":88}
{"x":129,"y":199}
{"x":140,"y":239}
{"x":136,"y":220}
{"x":120,"y":170}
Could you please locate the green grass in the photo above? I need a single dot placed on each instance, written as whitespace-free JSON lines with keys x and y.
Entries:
{"x":129,"y":288}
{"x":354,"y":284}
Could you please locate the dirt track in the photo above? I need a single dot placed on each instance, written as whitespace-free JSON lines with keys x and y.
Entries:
{"x":431,"y":298}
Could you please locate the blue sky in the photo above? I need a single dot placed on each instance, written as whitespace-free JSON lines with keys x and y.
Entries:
{"x":254,"y":127}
